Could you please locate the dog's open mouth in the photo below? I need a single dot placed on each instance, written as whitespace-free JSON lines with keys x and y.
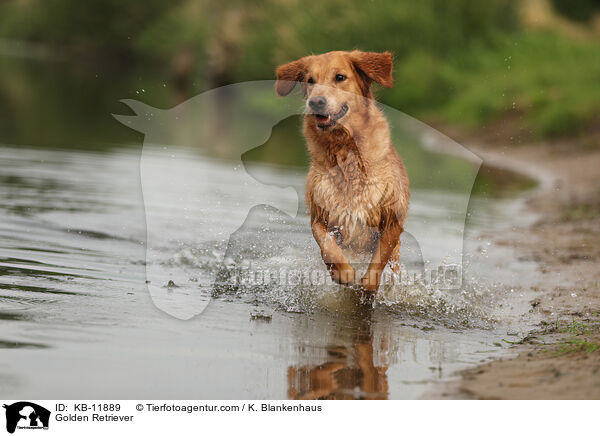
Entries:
{"x":324,"y":121}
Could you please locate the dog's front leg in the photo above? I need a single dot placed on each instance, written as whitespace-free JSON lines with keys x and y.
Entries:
{"x":337,"y":263}
{"x":389,"y":236}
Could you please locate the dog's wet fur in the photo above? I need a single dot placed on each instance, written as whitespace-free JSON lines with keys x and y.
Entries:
{"x":357,"y":188}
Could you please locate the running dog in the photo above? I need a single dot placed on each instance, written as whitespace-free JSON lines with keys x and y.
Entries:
{"x":357,"y":188}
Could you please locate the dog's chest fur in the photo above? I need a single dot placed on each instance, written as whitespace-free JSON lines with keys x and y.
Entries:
{"x":350,"y":198}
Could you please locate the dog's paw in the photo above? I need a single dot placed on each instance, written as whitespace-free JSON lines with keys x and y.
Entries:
{"x":342,"y":274}
{"x":370,"y":282}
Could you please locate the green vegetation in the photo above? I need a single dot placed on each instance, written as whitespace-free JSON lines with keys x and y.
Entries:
{"x":579,"y":209}
{"x":561,"y":326}
{"x":577,"y":328}
{"x":514,"y":342}
{"x":465,"y":62}
{"x":580,"y":10}
{"x":542,"y":78}
{"x":580,"y":337}
{"x":576,"y":345}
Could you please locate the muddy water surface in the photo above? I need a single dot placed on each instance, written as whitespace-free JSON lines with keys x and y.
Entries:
{"x":76,"y":316}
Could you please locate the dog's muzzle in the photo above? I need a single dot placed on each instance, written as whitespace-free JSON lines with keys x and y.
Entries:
{"x":325,"y":120}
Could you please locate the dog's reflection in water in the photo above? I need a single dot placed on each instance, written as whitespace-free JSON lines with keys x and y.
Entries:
{"x":348,"y":373}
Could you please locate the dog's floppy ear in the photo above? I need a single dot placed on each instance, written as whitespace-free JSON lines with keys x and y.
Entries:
{"x":376,"y":66}
{"x":288,"y":75}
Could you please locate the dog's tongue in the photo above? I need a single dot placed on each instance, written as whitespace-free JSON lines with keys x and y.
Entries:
{"x":322,"y":119}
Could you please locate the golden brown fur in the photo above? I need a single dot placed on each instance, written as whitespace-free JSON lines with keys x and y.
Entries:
{"x":357,"y":188}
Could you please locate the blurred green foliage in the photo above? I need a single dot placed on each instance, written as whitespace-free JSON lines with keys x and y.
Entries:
{"x":92,"y":26}
{"x":465,"y":62}
{"x":551,"y":82}
{"x":580,"y":10}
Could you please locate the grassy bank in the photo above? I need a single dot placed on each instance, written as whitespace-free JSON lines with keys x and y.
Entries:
{"x":544,"y":81}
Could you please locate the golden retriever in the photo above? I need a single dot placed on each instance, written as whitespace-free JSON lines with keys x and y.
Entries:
{"x":357,"y":188}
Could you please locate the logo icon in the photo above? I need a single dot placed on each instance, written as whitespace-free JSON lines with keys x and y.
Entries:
{"x":26,"y":415}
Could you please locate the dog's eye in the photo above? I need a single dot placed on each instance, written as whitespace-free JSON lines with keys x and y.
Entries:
{"x":340,"y":77}
{"x":311,"y":80}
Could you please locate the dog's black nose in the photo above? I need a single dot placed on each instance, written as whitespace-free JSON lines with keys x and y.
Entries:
{"x":317,"y":103}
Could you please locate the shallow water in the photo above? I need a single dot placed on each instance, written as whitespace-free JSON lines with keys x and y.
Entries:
{"x":85,"y":221}
{"x":77,"y":320}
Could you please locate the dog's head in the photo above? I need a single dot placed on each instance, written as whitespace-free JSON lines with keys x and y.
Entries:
{"x":335,"y":84}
